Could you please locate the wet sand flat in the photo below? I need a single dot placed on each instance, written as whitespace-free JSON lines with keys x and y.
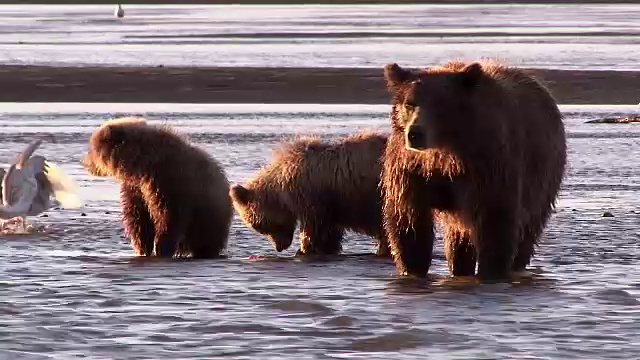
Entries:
{"x":562,"y":37}
{"x":267,"y":85}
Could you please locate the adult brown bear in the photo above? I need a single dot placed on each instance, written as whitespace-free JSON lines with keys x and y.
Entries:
{"x":482,"y":147}
{"x":326,"y":187}
{"x":174,"y":196}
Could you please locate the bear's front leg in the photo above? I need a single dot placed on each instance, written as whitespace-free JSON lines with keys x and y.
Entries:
{"x":497,"y":236}
{"x":319,"y":239}
{"x":408,"y":219}
{"x":459,"y":252}
{"x":411,"y":243}
{"x":137,"y":221}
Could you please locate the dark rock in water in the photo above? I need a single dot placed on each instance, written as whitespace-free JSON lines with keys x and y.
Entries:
{"x":107,"y":212}
{"x":607,"y":214}
{"x":83,"y":214}
{"x":616,"y":120}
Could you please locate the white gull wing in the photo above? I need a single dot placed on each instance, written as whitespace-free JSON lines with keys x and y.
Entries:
{"x":13,"y":180}
{"x":31,"y":181}
{"x":18,"y":193}
{"x":42,"y":201}
{"x":25,"y":155}
{"x":63,"y":187}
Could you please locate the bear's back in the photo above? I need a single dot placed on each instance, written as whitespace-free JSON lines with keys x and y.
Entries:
{"x":342,"y":175}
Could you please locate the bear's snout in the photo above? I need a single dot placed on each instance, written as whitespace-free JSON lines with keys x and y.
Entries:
{"x":416,"y":138}
{"x":281,"y":242}
{"x":90,"y":166}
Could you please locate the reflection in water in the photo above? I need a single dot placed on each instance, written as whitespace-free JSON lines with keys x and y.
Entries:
{"x":74,"y":288}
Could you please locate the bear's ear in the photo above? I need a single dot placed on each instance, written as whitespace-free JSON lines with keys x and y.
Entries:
{"x":240,"y":194}
{"x":396,"y":76}
{"x":470,"y":75}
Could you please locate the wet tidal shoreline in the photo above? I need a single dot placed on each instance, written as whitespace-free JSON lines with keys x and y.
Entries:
{"x":267,"y":85}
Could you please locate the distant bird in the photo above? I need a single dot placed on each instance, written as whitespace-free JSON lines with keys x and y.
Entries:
{"x":119,"y":11}
{"x":29,"y":183}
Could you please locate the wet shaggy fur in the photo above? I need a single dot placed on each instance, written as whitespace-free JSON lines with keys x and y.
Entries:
{"x":327,"y":187}
{"x":479,"y":146}
{"x":174,"y":196}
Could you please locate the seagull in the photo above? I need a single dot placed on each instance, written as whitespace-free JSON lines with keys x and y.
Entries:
{"x":28,"y":184}
{"x":119,"y":11}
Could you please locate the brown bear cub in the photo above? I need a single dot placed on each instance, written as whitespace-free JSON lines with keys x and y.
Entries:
{"x":174,"y":196}
{"x":326,"y":187}
{"x":482,"y":147}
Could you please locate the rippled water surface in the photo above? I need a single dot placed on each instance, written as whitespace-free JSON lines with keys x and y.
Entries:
{"x":559,"y":36}
{"x":76,"y":290}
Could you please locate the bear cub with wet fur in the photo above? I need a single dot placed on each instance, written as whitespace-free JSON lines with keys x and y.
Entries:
{"x":174,"y":196}
{"x":482,"y":147}
{"x":325,"y":187}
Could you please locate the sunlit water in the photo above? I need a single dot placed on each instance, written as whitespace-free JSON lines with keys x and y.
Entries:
{"x":74,"y":289}
{"x":558,"y":36}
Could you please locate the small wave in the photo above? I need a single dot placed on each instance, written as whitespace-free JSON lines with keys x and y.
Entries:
{"x":297,"y":306}
{"x":616,"y":297}
{"x":8,"y":309}
{"x":404,"y":340}
{"x":235,"y":328}
{"x":340,"y":321}
{"x":19,"y":355}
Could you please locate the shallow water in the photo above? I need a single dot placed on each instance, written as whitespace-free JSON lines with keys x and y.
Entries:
{"x":75,"y":290}
{"x":558,"y":36}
